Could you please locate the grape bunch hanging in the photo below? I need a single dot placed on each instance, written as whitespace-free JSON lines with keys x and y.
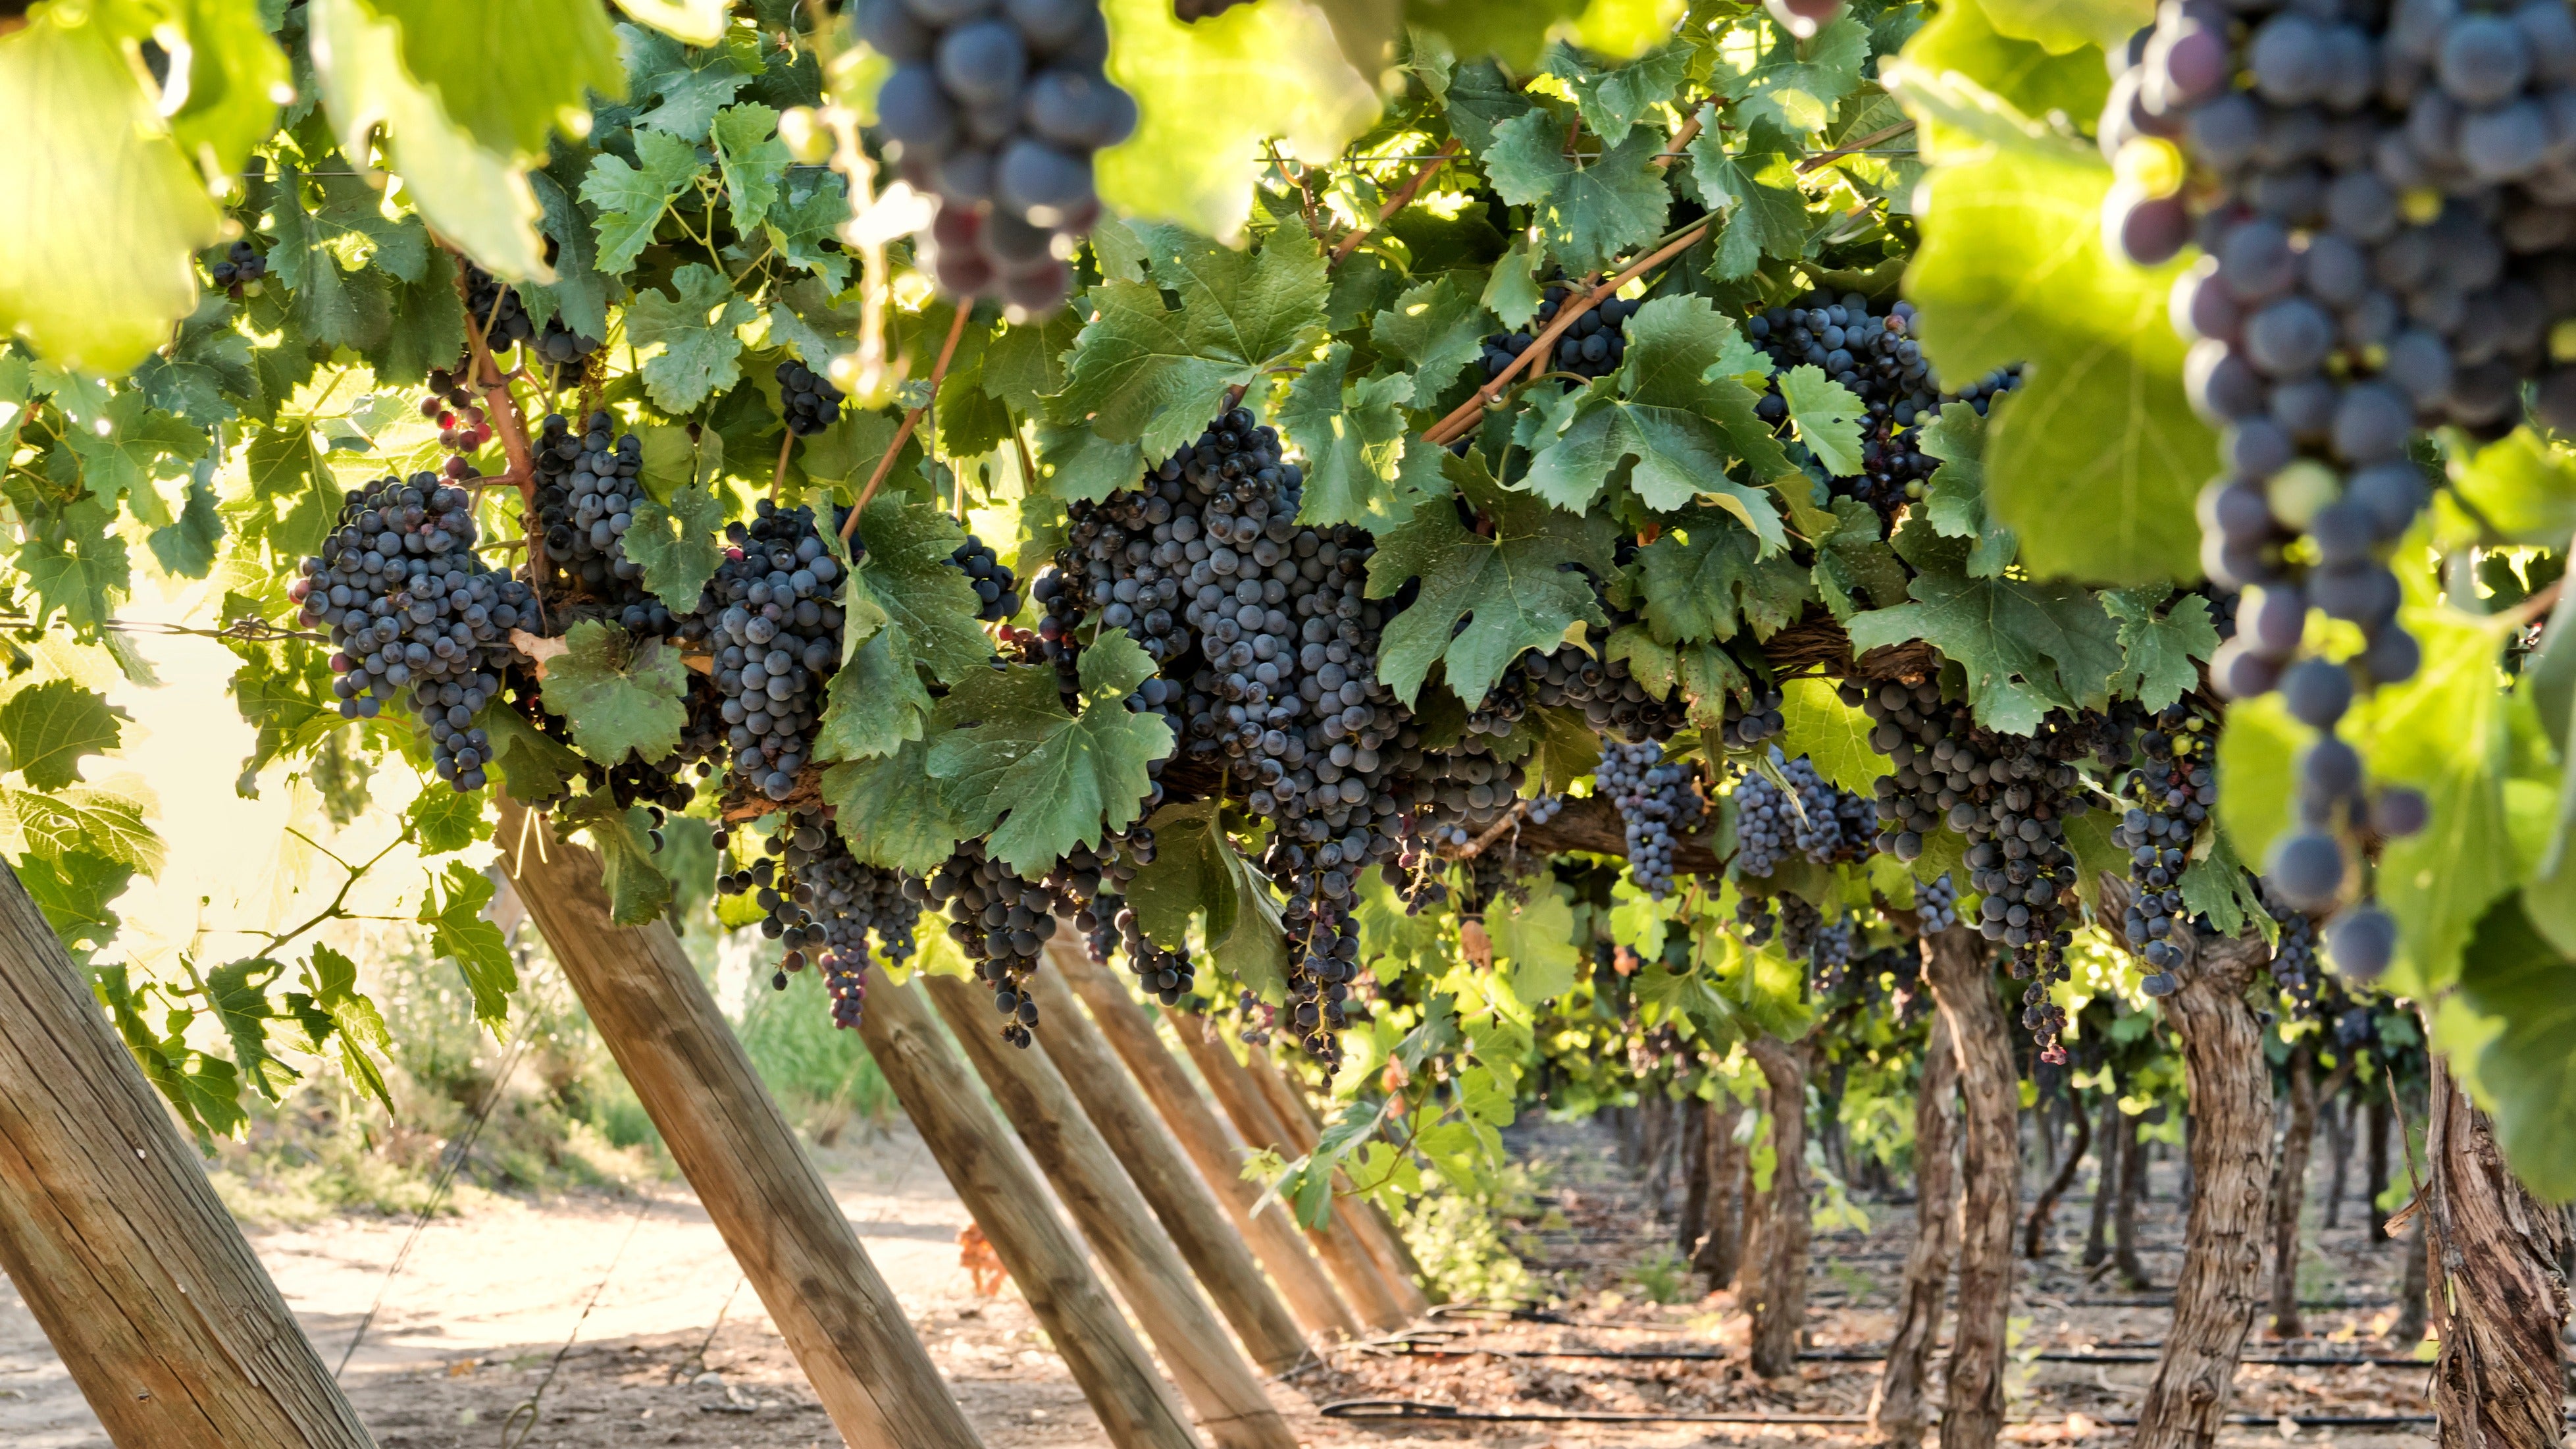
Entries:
{"x":1593,"y":346}
{"x":2389,"y":235}
{"x":588,"y":486}
{"x":1658,"y":802}
{"x":2170,"y":793}
{"x":995,"y":110}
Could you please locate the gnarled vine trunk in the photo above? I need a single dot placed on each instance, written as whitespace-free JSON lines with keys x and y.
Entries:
{"x":1720,"y":1249}
{"x":2216,"y":1294}
{"x":1957,"y":965}
{"x":1896,"y":1406}
{"x":2289,"y":1194}
{"x":2499,"y":1295}
{"x":2374,"y":1177}
{"x":1776,"y":1244}
{"x":2106,"y":1178}
{"x":1696,"y":1179}
{"x":2124,"y":1210}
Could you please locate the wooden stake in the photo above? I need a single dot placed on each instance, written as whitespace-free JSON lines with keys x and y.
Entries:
{"x":1189,"y":1213}
{"x":1272,"y":1231}
{"x":1112,"y":1214}
{"x":839,"y":1318}
{"x":1010,"y":1204}
{"x":112,"y":1234}
{"x":1369,"y":1222}
{"x":1362,"y":1282}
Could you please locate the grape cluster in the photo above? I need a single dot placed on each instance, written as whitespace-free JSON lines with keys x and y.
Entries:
{"x":2294,"y":955}
{"x":1830,"y":953}
{"x":997,"y":592}
{"x":496,"y":309}
{"x":1800,"y":922}
{"x":1829,"y":825}
{"x":240,"y":271}
{"x":462,"y":426}
{"x":1543,"y":808}
{"x":1936,"y":906}
{"x":823,"y":906}
{"x":1265,"y":638}
{"x":2170,"y":792}
{"x":1093,"y":883}
{"x":2307,"y":866}
{"x":996,"y":109}
{"x":412,"y":609}
{"x":1749,"y":722}
{"x":1658,"y":800}
{"x":588,"y":485}
{"x":1001,"y":921}
{"x":769,"y":618}
{"x":1755,"y":919}
{"x":808,"y":400}
{"x":1612,"y":700}
{"x":1591,"y":347}
{"x":1877,"y":357}
{"x":2389,"y":222}
{"x":2009,"y":796}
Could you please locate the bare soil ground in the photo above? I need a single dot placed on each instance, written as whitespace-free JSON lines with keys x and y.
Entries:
{"x":467,"y":1345}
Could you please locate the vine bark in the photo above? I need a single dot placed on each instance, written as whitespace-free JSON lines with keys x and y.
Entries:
{"x":2498,"y":1292}
{"x":1776,"y":1243}
{"x":1957,"y":966}
{"x":1896,"y":1407}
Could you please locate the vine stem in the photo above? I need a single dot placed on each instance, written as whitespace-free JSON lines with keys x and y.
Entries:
{"x":504,"y":407}
{"x":911,"y":420}
{"x":1446,"y":431}
{"x":1402,"y":198}
{"x":1827,"y":158}
{"x":778,"y":479}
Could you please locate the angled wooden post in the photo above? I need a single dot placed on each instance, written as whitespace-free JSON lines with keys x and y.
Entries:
{"x":1088,"y":1177}
{"x":1009,"y":1201}
{"x":839,"y":1318}
{"x":1376,"y":1232}
{"x":118,"y":1243}
{"x":1273,"y":1230}
{"x":1216,"y":1253}
{"x":1363,"y":1283}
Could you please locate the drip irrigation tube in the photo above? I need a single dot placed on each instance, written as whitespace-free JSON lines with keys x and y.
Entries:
{"x":1418,"y":1409}
{"x":1427,"y":1345}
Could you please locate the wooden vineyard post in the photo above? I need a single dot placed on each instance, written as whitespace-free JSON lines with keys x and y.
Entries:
{"x":112,"y":1234}
{"x":1010,"y":1203}
{"x":1363,"y":1282}
{"x":839,"y":1318}
{"x":1369,"y":1221}
{"x":1113,"y":1216}
{"x":1272,"y":1232}
{"x":1219,"y":1256}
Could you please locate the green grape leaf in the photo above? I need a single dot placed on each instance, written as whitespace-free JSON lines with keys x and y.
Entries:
{"x":618,"y":696}
{"x":580,"y":292}
{"x":751,"y":159}
{"x":1438,"y":328}
{"x":2258,"y":756}
{"x":1537,"y":942}
{"x":1834,"y":736}
{"x":474,"y":197}
{"x":237,"y":994}
{"x":2217,"y":886}
{"x":1508,"y":589}
{"x":1954,"y":497}
{"x":533,"y":766}
{"x":1707,"y":576}
{"x":1827,"y":417}
{"x":1512,"y":31}
{"x":1755,"y":188}
{"x":1682,"y":428}
{"x":95,"y":268}
{"x":452,"y":908}
{"x":1353,"y":437}
{"x":816,"y":208}
{"x":1025,"y":365}
{"x":512,"y":73}
{"x":905,"y":571}
{"x":1009,"y":749}
{"x":1197,"y":874}
{"x":632,"y":201}
{"x":2063,"y":26}
{"x":1800,"y":86}
{"x":804,"y":317}
{"x":1145,"y":374}
{"x":1853,"y":562}
{"x":185,"y":547}
{"x":638,"y":892}
{"x":236,"y":72}
{"x":51,"y":727}
{"x":424,"y":328}
{"x":1080,"y":466}
{"x":2447,"y":732}
{"x":2524,"y":988}
{"x":444,"y":821}
{"x":77,"y":891}
{"x":1588,"y":213}
{"x":203,"y":1091}
{"x":2035,"y":79}
{"x":2522,"y":488}
{"x":73,"y":566}
{"x":1210,"y":94}
{"x":2159,"y":648}
{"x":694,"y":329}
{"x":137,"y":445}
{"x":697,"y":22}
{"x":332,"y":1006}
{"x":201,"y":376}
{"x":1615,"y":99}
{"x":877,"y":701}
{"x":891,"y":811}
{"x":2097,"y":462}
{"x":677,"y":545}
{"x":2027,"y":647}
